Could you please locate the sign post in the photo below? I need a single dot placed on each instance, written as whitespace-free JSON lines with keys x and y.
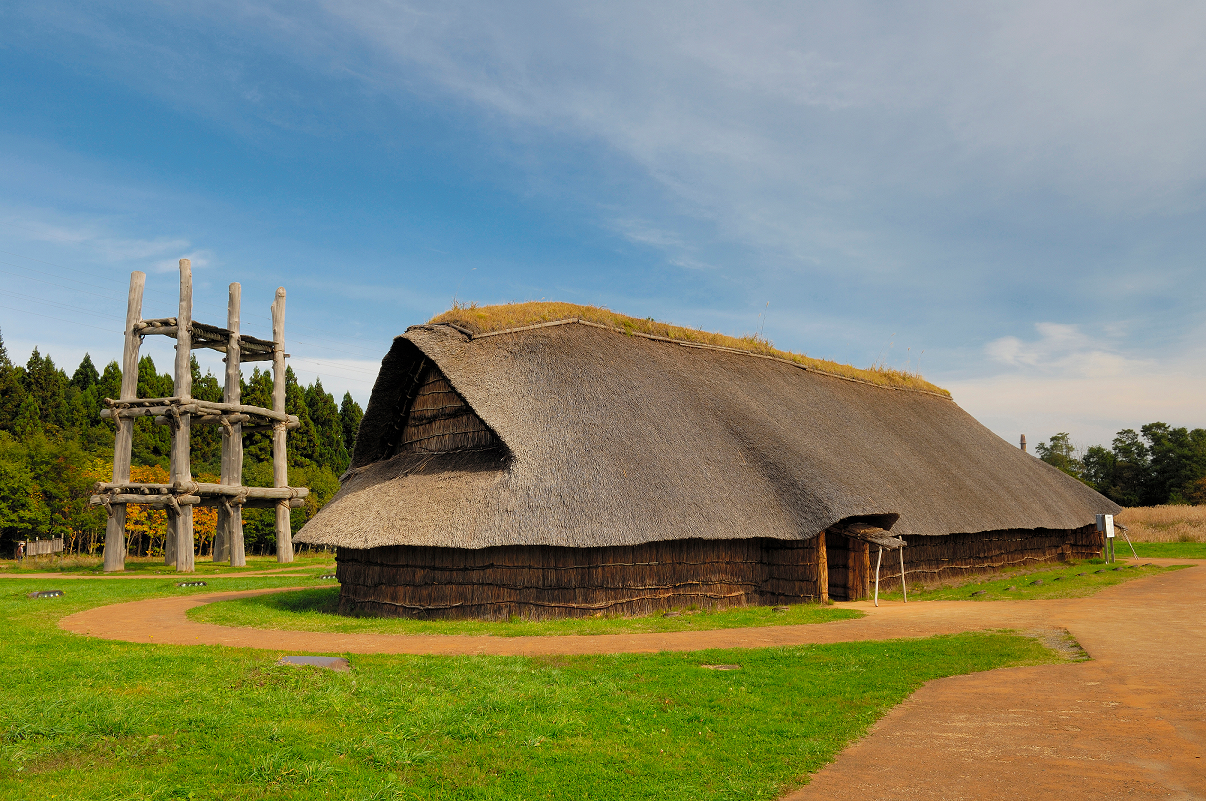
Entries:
{"x":1105,"y":524}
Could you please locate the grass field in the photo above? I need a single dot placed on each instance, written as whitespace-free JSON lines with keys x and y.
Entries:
{"x":1057,"y":581}
{"x":1164,"y":550}
{"x":93,"y":719}
{"x":92,"y":565}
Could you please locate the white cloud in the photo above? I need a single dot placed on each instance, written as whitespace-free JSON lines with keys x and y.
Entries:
{"x":766,"y":118}
{"x":1063,"y":349}
{"x":1067,"y":380}
{"x":199,"y":259}
{"x":96,"y":236}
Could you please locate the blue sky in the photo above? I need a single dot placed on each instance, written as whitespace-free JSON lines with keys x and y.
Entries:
{"x":1009,"y":196}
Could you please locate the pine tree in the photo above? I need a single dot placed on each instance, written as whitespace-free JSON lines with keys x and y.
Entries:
{"x":257,"y":391}
{"x":328,"y":427}
{"x":48,"y":384}
{"x":302,"y":444}
{"x":85,"y":375}
{"x":206,"y":441}
{"x":350,"y":415}
{"x":12,"y":390}
{"x":152,"y":443}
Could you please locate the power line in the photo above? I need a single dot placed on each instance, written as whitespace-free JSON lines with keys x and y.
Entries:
{"x":51,"y":283}
{"x":263,"y":326}
{"x":335,"y":367}
{"x":77,"y":309}
{"x":60,"y":319}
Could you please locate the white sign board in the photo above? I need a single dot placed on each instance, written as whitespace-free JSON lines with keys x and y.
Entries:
{"x":1109,"y":526}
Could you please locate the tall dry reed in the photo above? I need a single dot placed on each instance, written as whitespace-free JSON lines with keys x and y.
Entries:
{"x":1169,"y":523}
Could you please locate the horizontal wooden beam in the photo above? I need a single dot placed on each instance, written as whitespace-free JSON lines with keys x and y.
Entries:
{"x":189,"y":500}
{"x":257,"y":503}
{"x":139,"y":407}
{"x":208,"y":336}
{"x":145,"y":500}
{"x":202,"y":489}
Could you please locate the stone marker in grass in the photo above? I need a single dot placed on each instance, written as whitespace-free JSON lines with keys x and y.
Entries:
{"x":330,"y":662}
{"x":45,"y":594}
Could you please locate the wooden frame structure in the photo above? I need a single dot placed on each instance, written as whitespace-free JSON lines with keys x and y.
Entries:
{"x":180,"y":412}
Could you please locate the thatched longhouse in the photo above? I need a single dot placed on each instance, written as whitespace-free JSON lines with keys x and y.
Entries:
{"x":573,"y":468}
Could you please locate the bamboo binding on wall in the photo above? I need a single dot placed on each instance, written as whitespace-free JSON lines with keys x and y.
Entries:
{"x":179,"y":412}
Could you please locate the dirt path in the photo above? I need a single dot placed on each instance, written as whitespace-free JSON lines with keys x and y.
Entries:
{"x":1130,"y":723}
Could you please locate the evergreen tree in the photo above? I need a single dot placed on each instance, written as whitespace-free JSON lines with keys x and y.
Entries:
{"x":12,"y":390}
{"x":257,"y":391}
{"x":350,"y":415}
{"x":206,"y":440}
{"x":302,"y":442}
{"x":29,"y":418}
{"x":85,"y":375}
{"x":47,"y":384}
{"x":152,"y":443}
{"x":328,"y":428}
{"x":109,"y":385}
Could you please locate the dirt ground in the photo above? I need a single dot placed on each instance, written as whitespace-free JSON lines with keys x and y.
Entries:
{"x":1131,"y":723}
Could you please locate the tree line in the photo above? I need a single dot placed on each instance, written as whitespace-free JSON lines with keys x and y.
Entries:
{"x":1158,"y":464}
{"x":54,"y":446}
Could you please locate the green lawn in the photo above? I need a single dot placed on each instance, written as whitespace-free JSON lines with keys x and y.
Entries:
{"x":91,"y":719}
{"x":314,"y":610}
{"x":1064,"y":581}
{"x":145,"y":566}
{"x":1163,"y":550}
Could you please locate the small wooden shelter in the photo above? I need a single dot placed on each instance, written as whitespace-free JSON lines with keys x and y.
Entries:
{"x":571,"y":468}
{"x":180,"y":412}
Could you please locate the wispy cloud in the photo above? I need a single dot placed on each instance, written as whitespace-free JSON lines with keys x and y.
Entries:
{"x":199,"y":260}
{"x":1063,"y":349}
{"x":1068,"y":380}
{"x":97,"y":237}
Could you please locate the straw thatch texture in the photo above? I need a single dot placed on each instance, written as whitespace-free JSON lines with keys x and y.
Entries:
{"x":543,"y":581}
{"x":609,"y":440}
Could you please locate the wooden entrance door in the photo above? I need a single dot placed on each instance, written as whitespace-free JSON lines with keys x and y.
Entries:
{"x":849,"y":567}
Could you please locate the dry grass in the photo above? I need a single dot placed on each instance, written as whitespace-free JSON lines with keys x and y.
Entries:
{"x":1165,"y":523}
{"x":484,"y":319}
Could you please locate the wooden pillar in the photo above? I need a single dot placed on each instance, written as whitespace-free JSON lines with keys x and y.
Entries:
{"x":858,"y":576}
{"x":822,"y":557}
{"x":228,"y":538}
{"x":181,"y":437}
{"x":280,"y":463}
{"x":115,"y":527}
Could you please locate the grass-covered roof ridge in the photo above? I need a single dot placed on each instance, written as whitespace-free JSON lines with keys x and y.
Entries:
{"x":490,"y":319}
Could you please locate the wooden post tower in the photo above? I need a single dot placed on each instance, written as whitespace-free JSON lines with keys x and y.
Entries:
{"x":180,"y":412}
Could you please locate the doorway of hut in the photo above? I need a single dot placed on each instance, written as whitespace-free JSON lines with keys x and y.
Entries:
{"x":849,"y":561}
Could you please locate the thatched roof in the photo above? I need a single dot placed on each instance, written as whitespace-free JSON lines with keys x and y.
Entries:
{"x":587,"y":437}
{"x":477,"y":320}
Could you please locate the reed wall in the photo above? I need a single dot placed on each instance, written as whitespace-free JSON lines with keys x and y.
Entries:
{"x":932,"y":560}
{"x":546,"y":581}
